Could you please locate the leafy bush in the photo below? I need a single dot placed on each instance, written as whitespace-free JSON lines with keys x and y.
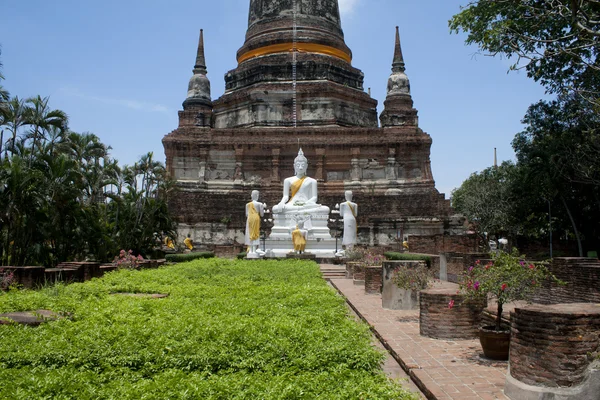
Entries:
{"x":230,"y":329}
{"x":391,"y":255}
{"x":241,"y":255}
{"x":177,"y":258}
{"x":418,"y":278}
{"x":506,"y":278}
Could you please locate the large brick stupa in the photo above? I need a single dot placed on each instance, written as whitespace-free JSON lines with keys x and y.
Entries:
{"x":294,"y":83}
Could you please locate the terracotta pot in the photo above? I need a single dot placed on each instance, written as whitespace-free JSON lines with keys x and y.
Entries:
{"x":495,"y":344}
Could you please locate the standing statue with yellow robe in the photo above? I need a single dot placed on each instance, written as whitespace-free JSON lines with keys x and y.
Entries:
{"x":299,"y":238}
{"x":254,"y":211}
{"x":189,"y":243}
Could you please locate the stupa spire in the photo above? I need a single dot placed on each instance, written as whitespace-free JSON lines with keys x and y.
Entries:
{"x":198,"y":94}
{"x":200,"y":67}
{"x":398,"y":105}
{"x":398,"y":63}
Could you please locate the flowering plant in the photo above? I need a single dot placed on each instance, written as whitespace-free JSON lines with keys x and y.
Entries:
{"x":506,"y":278}
{"x":371,"y":259}
{"x":127,"y":260}
{"x":418,"y":278}
{"x":7,"y":279}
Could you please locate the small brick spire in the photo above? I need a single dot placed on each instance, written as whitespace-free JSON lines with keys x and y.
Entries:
{"x":200,"y":67}
{"x":398,"y":63}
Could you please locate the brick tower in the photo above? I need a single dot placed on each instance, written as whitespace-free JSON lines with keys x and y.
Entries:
{"x":295,"y":83}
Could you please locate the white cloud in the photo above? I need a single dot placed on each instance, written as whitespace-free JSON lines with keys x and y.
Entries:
{"x":131,"y":104}
{"x":347,"y":6}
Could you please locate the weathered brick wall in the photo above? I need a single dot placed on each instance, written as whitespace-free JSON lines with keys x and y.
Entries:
{"x":458,"y":263}
{"x":435,"y":244}
{"x":228,"y":251}
{"x":582,"y":277}
{"x":28,"y":277}
{"x":358,"y":272}
{"x":373,"y":279}
{"x":439,"y":321}
{"x":550,"y":344}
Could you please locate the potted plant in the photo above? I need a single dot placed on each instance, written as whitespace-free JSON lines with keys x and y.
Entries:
{"x":410,"y":281}
{"x":506,"y":278}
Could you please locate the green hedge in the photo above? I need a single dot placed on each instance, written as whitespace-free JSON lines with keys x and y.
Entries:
{"x":184,"y":257}
{"x":230,"y":329}
{"x":392,"y":255}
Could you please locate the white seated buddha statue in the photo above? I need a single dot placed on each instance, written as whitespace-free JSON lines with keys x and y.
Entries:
{"x":300,"y":192}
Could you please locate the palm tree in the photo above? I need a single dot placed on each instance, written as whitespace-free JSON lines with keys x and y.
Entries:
{"x":16,"y":115}
{"x":41,"y":118}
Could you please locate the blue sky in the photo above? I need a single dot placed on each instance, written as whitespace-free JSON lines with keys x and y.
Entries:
{"x":120,"y":69}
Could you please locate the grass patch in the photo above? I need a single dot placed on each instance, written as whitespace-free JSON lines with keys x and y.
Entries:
{"x":391,"y":255}
{"x":184,"y":257}
{"x":230,"y":329}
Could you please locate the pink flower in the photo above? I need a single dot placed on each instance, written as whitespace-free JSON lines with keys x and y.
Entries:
{"x":503,"y":287}
{"x":470,"y":269}
{"x":476,"y":285}
{"x":451,"y":304}
{"x":478,"y":262}
{"x":531,"y":266}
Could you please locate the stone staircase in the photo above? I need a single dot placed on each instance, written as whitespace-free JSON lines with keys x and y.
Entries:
{"x":330,"y":271}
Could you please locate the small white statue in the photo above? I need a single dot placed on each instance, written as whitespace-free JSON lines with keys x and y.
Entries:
{"x":299,"y":191}
{"x":348,"y":212}
{"x":254,"y":211}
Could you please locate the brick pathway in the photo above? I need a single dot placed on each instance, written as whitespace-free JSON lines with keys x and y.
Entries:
{"x":442,"y":369}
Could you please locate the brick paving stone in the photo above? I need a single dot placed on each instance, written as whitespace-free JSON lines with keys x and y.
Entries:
{"x":443,"y":369}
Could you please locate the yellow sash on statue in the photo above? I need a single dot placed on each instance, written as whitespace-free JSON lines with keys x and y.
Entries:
{"x":296,"y":186}
{"x":253,"y":222}
{"x":298,"y":240}
{"x":354,"y":214}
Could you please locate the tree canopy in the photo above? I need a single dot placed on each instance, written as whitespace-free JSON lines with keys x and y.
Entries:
{"x":556,"y":41}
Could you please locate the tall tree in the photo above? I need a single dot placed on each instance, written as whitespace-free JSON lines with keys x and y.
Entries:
{"x":487,"y":200}
{"x":559,"y":148}
{"x":17,"y":115}
{"x":41,"y":117}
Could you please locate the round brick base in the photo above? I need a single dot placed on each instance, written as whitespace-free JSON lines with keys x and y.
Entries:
{"x":551,"y":345}
{"x":438,"y":321}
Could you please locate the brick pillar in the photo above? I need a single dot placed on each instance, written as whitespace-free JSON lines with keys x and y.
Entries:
{"x":439,"y":321}
{"x":359,"y":273}
{"x":373,"y":279}
{"x":550,"y":344}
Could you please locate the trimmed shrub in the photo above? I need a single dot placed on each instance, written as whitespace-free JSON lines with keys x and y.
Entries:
{"x":177,"y":258}
{"x":391,"y":255}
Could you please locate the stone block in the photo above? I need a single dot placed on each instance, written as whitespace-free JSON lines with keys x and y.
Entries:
{"x":393,"y":297}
